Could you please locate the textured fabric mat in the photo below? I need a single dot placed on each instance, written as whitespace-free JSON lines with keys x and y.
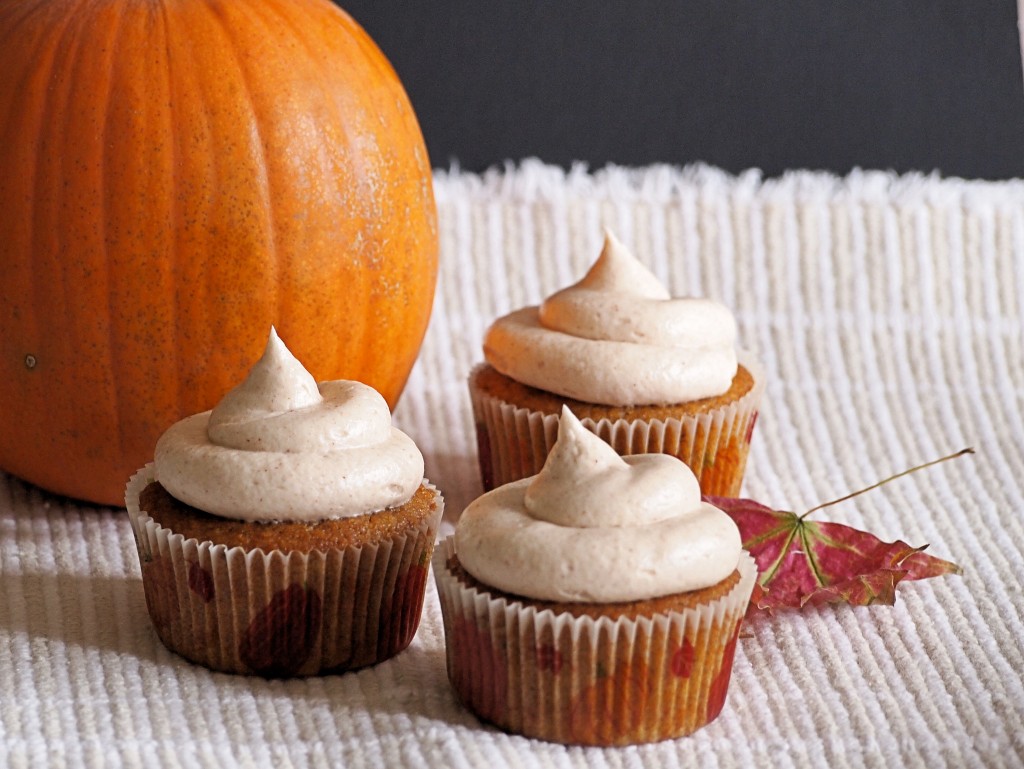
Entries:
{"x":888,"y":312}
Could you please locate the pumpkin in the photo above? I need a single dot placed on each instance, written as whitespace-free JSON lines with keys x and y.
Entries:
{"x":175,"y":177}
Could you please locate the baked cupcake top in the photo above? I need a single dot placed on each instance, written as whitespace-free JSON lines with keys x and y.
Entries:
{"x":279,"y":447}
{"x":595,"y":527}
{"x":618,"y":338}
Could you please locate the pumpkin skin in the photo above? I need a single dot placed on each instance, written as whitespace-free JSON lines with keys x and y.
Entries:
{"x":175,"y":177}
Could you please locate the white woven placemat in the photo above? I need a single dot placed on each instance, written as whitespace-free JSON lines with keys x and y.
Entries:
{"x":888,"y":311}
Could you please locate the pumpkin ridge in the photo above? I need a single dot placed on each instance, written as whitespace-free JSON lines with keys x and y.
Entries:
{"x":103,"y":219}
{"x":184,"y":78}
{"x":355,"y":325}
{"x":220,"y":217}
{"x":32,"y":450}
{"x":302,"y":39}
{"x":26,"y":400}
{"x":174,"y":215}
{"x":262,"y":13}
{"x":11,"y":24}
{"x":50,"y":285}
{"x":258,"y":145}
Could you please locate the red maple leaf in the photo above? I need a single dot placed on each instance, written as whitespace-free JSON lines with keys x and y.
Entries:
{"x":802,"y":562}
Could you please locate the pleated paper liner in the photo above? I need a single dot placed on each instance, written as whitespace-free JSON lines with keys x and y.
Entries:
{"x":513,"y":441}
{"x":578,"y":680}
{"x":282,"y":614}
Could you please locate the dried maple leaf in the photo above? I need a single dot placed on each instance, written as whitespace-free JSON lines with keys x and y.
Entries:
{"x":803,"y":562}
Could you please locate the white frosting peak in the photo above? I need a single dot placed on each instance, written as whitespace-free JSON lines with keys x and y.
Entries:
{"x":616,"y":269}
{"x":596,"y":527}
{"x":575,"y":458}
{"x":278,"y":447}
{"x":617,"y":338}
{"x":278,"y":382}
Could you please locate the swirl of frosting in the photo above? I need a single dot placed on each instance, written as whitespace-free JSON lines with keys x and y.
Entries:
{"x":596,"y":527}
{"x":617,"y":338}
{"x":279,"y":447}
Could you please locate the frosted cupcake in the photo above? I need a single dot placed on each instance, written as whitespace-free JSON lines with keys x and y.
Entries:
{"x":598,"y":602}
{"x":288,"y":531}
{"x":645,"y":371}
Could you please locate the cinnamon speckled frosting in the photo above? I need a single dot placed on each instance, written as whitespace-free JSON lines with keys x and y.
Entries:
{"x":618,"y":338}
{"x":596,"y":527}
{"x":281,"y":447}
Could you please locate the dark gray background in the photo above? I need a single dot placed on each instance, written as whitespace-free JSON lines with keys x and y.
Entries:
{"x":929,"y":85}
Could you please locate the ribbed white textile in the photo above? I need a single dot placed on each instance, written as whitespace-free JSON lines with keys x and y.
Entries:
{"x":888,"y":313}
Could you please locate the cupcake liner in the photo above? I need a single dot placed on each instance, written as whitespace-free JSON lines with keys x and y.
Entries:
{"x":281,"y":614}
{"x":578,"y":680}
{"x":513,"y":441}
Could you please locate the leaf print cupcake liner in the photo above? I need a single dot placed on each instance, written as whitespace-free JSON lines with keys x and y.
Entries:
{"x":513,"y":441}
{"x":278,"y":614}
{"x":580,"y":680}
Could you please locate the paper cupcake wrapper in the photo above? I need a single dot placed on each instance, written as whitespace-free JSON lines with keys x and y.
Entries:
{"x":281,"y":614}
{"x":577,"y":680}
{"x":513,"y":442}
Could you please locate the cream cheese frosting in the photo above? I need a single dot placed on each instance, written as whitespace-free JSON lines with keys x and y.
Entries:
{"x":596,"y":527}
{"x":280,"y":447}
{"x":618,"y":338}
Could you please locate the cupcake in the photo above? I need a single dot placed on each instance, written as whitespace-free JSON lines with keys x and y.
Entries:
{"x":598,"y":602}
{"x":288,"y":531}
{"x":646,"y":372}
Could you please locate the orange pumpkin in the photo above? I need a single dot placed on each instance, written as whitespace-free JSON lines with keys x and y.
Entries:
{"x":175,"y":177}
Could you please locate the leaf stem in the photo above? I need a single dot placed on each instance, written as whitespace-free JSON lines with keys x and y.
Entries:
{"x":886,"y":480}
